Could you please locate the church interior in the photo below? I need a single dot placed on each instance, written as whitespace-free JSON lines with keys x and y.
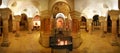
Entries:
{"x":59,"y":26}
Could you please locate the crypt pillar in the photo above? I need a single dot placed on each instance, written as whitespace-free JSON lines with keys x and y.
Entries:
{"x":5,"y":12}
{"x":114,"y":14}
{"x":45,"y":30}
{"x":30,"y":25}
{"x":17,"y":20}
{"x":105,"y":26}
{"x":102,"y":20}
{"x":14,"y":25}
{"x":89,"y":25}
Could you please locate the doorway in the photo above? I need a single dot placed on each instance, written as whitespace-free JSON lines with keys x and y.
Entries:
{"x":109,"y":24}
{"x":95,"y":22}
{"x":83,"y":24}
{"x":24,"y":22}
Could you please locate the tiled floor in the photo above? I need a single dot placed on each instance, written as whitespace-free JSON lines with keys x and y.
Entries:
{"x":29,"y":43}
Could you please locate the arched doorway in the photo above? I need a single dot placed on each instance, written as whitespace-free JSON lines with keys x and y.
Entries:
{"x":83,"y":24}
{"x":24,"y":22}
{"x":10,"y":25}
{"x":95,"y":22}
{"x":109,"y":24}
{"x":1,"y":26}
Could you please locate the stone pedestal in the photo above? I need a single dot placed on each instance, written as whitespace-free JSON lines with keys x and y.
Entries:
{"x":89,"y":25}
{"x":5,"y":13}
{"x":102,"y":20}
{"x":114,"y":14}
{"x":17,"y":20}
{"x":30,"y":25}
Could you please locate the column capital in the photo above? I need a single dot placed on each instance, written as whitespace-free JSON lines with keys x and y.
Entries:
{"x":102,"y":18}
{"x":17,"y":17}
{"x":89,"y":20}
{"x":5,"y":12}
{"x":30,"y":19}
{"x":114,"y":14}
{"x":45,"y":14}
{"x":75,"y":14}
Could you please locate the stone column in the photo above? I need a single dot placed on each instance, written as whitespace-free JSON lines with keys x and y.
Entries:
{"x":102,"y":19}
{"x":17,"y":20}
{"x":14,"y":26}
{"x":30,"y":25}
{"x":5,"y":16}
{"x":105,"y":26}
{"x":5,"y":42}
{"x":89,"y":25}
{"x":114,"y":14}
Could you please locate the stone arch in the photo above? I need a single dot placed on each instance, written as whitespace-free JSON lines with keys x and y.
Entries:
{"x":24,"y":22}
{"x":60,"y":7}
{"x":83,"y":22}
{"x":96,"y":20}
{"x":83,"y":18}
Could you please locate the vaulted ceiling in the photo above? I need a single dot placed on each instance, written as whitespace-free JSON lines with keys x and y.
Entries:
{"x":87,"y":8}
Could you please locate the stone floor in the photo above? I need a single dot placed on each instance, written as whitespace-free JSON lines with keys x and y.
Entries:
{"x":29,"y":43}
